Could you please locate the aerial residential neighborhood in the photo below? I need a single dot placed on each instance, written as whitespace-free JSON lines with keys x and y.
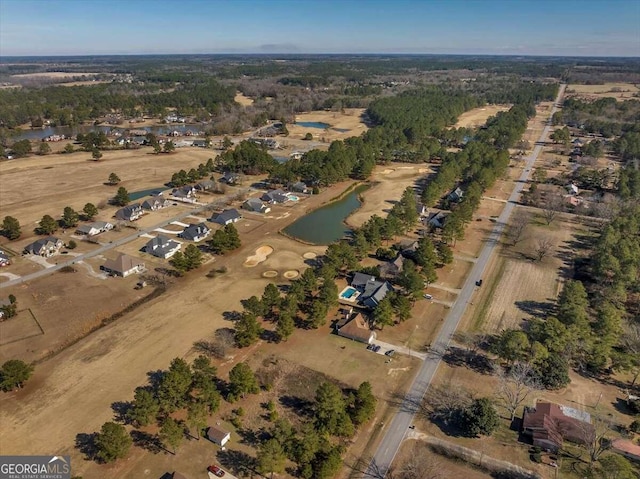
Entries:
{"x":418,"y":260}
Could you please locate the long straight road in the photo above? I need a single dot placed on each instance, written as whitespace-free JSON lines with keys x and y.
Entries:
{"x":400,"y":423}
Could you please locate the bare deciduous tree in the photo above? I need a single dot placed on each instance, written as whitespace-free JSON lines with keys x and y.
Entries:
{"x":420,"y":466}
{"x":552,"y":206}
{"x":517,"y":226}
{"x":443,"y":402}
{"x":543,"y":248}
{"x":595,"y":436}
{"x":515,"y":386}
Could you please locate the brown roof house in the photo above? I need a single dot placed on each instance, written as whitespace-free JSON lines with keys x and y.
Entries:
{"x":355,"y":327}
{"x":218,"y":436}
{"x":548,"y":425}
{"x":123,"y":265}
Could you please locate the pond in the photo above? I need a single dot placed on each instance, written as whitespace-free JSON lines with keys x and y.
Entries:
{"x":326,"y":225}
{"x":313,"y":124}
{"x":136,"y":195}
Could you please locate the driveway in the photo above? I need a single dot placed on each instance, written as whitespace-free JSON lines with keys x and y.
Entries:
{"x":384,"y":347}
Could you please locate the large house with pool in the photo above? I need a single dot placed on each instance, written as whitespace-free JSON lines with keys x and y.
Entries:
{"x":365,"y":291}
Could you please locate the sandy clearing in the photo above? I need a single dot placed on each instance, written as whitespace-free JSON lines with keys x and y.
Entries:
{"x":387,"y":188}
{"x":478,"y":116}
{"x":243,"y":100}
{"x":258,"y":257}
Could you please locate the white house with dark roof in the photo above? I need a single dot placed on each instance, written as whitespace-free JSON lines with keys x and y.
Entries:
{"x":123,"y":266}
{"x":162,"y":247}
{"x":456,"y":195}
{"x":230,"y":178}
{"x":130,"y":212}
{"x":185,"y":194}
{"x":46,"y":247}
{"x":299,"y":187}
{"x":205,"y":185}
{"x":255,"y":205}
{"x":95,"y":228}
{"x":195,"y":233}
{"x":226,"y":217}
{"x":156,"y":202}
{"x":371,"y":290}
{"x":435,"y":220}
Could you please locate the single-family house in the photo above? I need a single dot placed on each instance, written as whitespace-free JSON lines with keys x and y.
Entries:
{"x":422,"y":210}
{"x":123,"y":266}
{"x":572,"y":189}
{"x":130,"y":213}
{"x":230,"y":178}
{"x":200,"y":143}
{"x":548,"y":424}
{"x":195,"y":233}
{"x":275,"y":196}
{"x":156,"y":202}
{"x":95,"y":228}
{"x":88,"y":229}
{"x":355,"y":327}
{"x":226,"y":217}
{"x":391,"y":269}
{"x":45,"y":247}
{"x":205,"y":185}
{"x":299,"y":187}
{"x":162,"y":247}
{"x":255,"y":205}
{"x":371,"y":290}
{"x":185,"y":193}
{"x":627,"y":448}
{"x":578,"y":143}
{"x":4,"y":259}
{"x":456,"y":195}
{"x":435,"y":220}
{"x":218,"y":436}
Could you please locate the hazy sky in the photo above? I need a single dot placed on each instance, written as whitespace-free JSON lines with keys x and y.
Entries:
{"x":540,"y":27}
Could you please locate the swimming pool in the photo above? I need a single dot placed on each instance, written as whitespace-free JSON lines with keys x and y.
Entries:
{"x":293,"y":197}
{"x":347,"y":293}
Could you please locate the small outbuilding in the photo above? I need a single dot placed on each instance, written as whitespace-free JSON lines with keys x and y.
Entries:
{"x":218,"y":436}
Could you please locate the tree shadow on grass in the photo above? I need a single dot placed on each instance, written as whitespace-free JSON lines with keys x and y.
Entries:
{"x":86,"y":444}
{"x":238,"y":462}
{"x":146,"y":441}
{"x":300,"y":406}
{"x":537,"y":309}
{"x":470,"y":359}
{"x":120,"y":410}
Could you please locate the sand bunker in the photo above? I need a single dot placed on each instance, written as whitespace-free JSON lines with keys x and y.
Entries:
{"x":310,"y":255}
{"x":270,"y":274}
{"x":259,"y":256}
{"x":423,"y":170}
{"x":291,"y":274}
{"x":386,"y":172}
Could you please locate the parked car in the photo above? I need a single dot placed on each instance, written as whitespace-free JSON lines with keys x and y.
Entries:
{"x":391,"y":352}
{"x":216,"y":470}
{"x":428,"y":296}
{"x":370,"y":347}
{"x":479,"y":282}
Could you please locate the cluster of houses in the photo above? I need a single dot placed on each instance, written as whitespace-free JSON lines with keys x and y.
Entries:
{"x":55,"y":138}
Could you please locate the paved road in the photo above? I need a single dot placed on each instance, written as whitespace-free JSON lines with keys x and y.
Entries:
{"x":101,"y":249}
{"x":398,"y":427}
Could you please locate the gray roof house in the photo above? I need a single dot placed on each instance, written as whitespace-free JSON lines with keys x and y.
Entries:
{"x":230,"y":177}
{"x":200,"y":143}
{"x":372,"y":290}
{"x":218,"y":436}
{"x":130,"y":213}
{"x":185,"y":193}
{"x":45,"y":247}
{"x":195,"y":232}
{"x":226,"y":217}
{"x":155,"y":203}
{"x":97,"y":227}
{"x":391,"y":269}
{"x":123,"y":265}
{"x":205,"y":185}
{"x":456,"y":195}
{"x":255,"y":205}
{"x":162,"y":247}
{"x":275,"y":196}
{"x":299,"y":187}
{"x":435,"y":220}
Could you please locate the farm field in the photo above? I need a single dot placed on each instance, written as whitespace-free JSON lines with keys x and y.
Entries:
{"x":478,"y":116}
{"x":619,"y":91}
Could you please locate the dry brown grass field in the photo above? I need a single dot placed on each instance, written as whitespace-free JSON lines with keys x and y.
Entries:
{"x":619,"y":91}
{"x":479,"y":116}
{"x":349,"y":120}
{"x":243,"y":100}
